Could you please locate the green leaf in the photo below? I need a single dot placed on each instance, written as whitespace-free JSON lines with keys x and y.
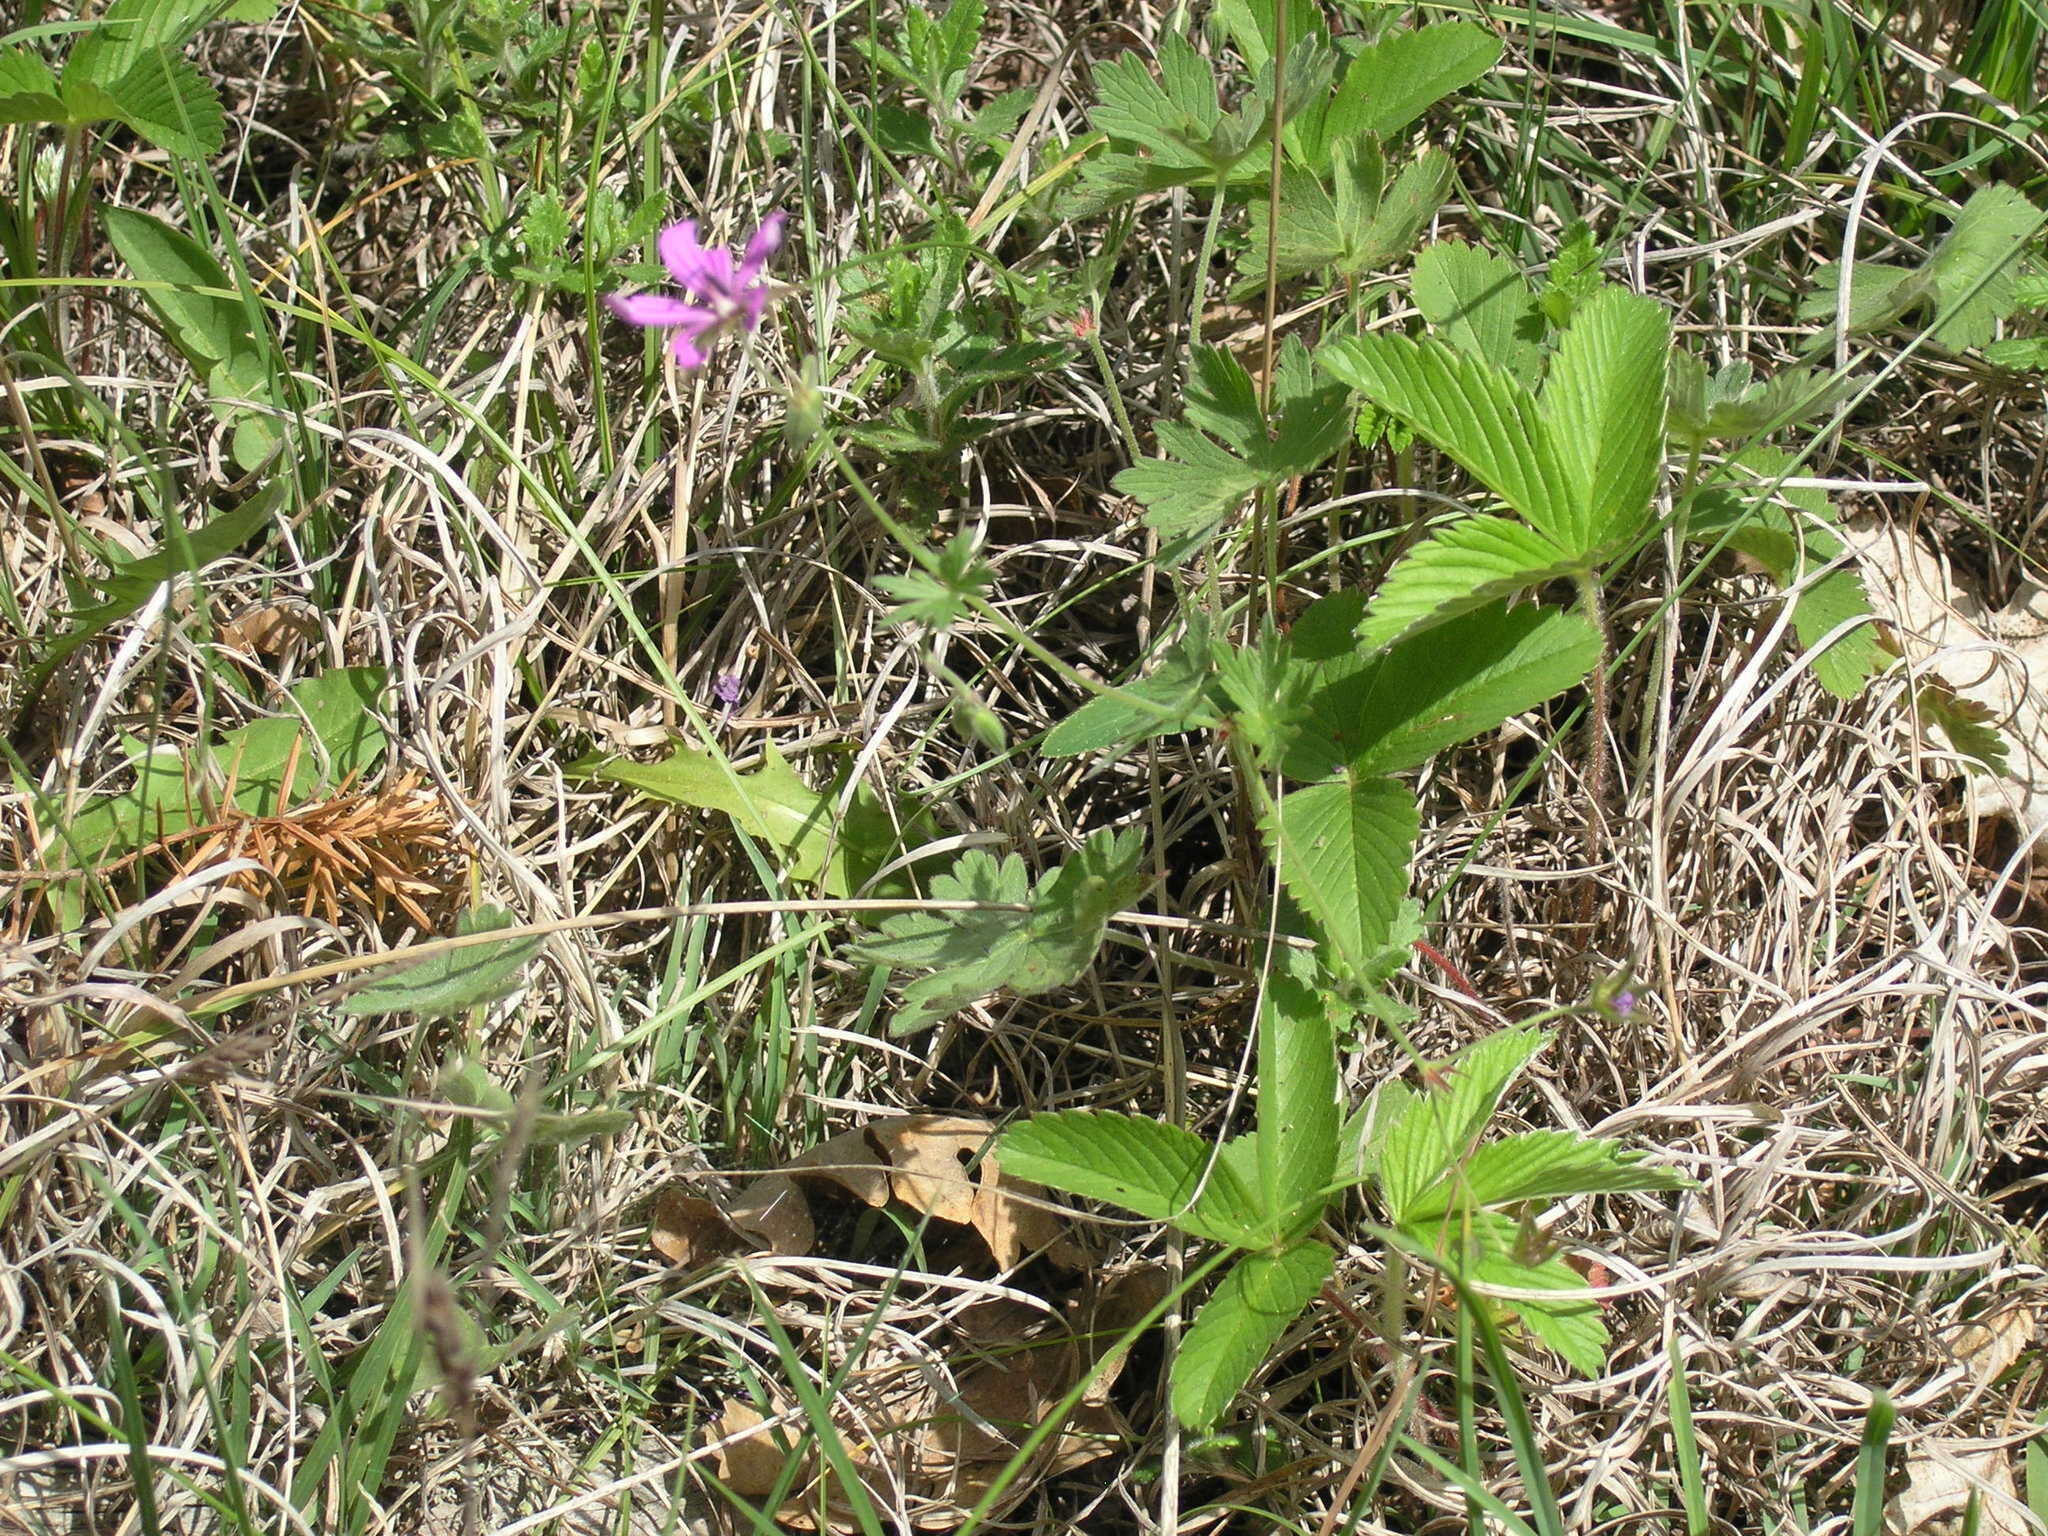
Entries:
{"x":1159,"y":1171}
{"x":453,"y":981}
{"x":1970,"y":727}
{"x":1474,"y":412}
{"x":944,"y":588}
{"x":1297,"y":1137}
{"x":1395,"y":81}
{"x":771,"y":803}
{"x":1194,"y":487}
{"x":1362,"y":226}
{"x":1343,"y":849}
{"x":1481,"y":304}
{"x":212,"y":329}
{"x":28,"y":91}
{"x":1743,"y":511}
{"x":1178,"y":689}
{"x":1463,"y":565}
{"x":1571,"y":1324}
{"x":347,"y":741}
{"x":1169,"y":117}
{"x":163,"y":97}
{"x":1543,"y":1165}
{"x":1732,"y":405}
{"x":981,"y":952}
{"x":1363,"y":1139}
{"x":1199,"y":482}
{"x":1878,"y":295}
{"x":1975,"y":270}
{"x":1389,"y":711}
{"x":1442,"y":1127}
{"x":1605,"y":397}
{"x":1239,"y":1325}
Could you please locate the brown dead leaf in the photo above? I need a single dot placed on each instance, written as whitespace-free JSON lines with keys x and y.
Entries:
{"x":1940,"y":1477}
{"x":749,"y":1461}
{"x":774,"y":1211}
{"x":1991,"y":1345}
{"x":928,"y":1157}
{"x":269,"y":630}
{"x":850,"y":1161}
{"x":689,"y":1230}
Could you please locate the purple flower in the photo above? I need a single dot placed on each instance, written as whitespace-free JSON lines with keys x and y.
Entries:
{"x":726,"y":688}
{"x":724,"y":294}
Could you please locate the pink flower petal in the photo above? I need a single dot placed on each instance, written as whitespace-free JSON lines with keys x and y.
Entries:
{"x":683,"y":255}
{"x":652,"y":309}
{"x":688,"y":353}
{"x":766,"y":242}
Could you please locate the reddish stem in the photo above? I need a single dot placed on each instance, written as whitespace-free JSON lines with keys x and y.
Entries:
{"x":1457,"y":977}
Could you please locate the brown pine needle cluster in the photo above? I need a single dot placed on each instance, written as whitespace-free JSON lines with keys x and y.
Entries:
{"x":368,"y":851}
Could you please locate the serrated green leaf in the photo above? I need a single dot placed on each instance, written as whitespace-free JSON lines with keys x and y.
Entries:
{"x":1159,"y":1171}
{"x":1481,"y":304}
{"x":1389,"y":711}
{"x":1461,"y":566}
{"x":1343,"y":850}
{"x":1193,"y":488}
{"x":1365,"y":1131}
{"x":1396,"y":80}
{"x":1474,"y":412}
{"x":28,"y":90}
{"x":1050,"y":945}
{"x":1878,"y":294}
{"x":1239,"y":1325}
{"x":1975,"y":270}
{"x":1543,"y":1165}
{"x":941,"y":589}
{"x":1178,"y":688}
{"x":1441,"y":1128}
{"x":1223,"y":401}
{"x":1297,"y":1137}
{"x":1166,"y":117}
{"x":452,"y":981}
{"x":1970,"y":727}
{"x":771,"y":803}
{"x":1730,"y":405}
{"x":164,"y":98}
{"x":2018,"y":352}
{"x":1604,"y":395}
{"x":130,"y":68}
{"x":1571,"y":1324}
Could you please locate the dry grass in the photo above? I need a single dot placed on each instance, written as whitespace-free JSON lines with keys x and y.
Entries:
{"x":206,"y":1167}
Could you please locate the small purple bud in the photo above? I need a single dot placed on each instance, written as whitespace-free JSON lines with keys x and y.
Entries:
{"x":1624,"y":1002}
{"x":726,"y":688}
